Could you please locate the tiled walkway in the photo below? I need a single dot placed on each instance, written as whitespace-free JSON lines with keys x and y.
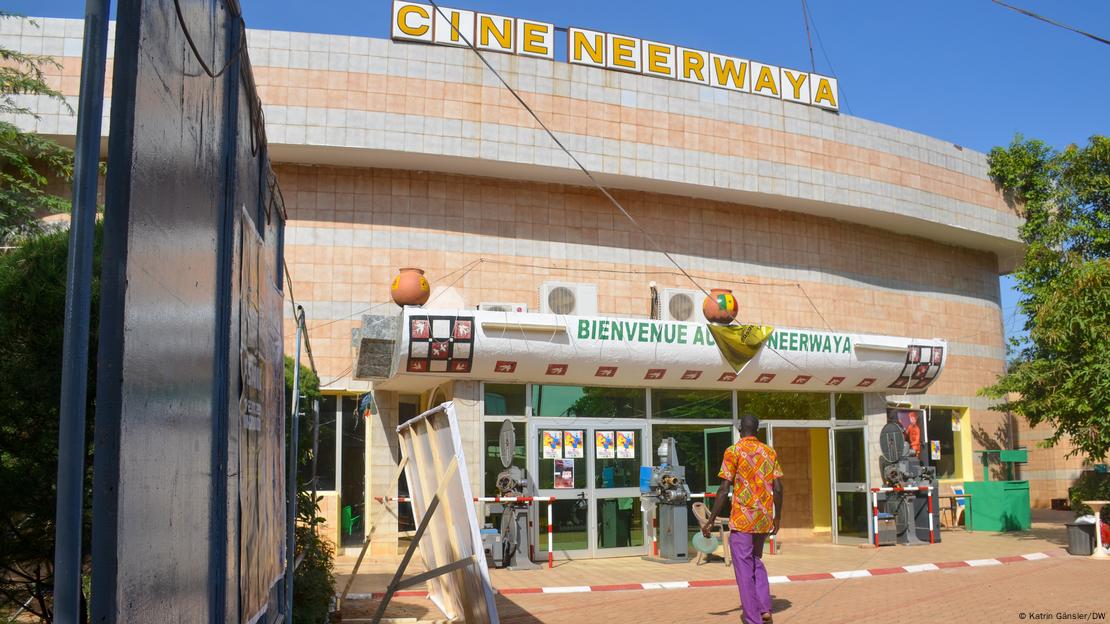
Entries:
{"x":797,"y":559}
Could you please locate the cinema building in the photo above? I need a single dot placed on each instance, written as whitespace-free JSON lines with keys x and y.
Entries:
{"x":874,"y":252}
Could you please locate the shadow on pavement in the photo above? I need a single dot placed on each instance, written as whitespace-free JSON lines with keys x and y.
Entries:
{"x":778,"y":605}
{"x":510,"y":612}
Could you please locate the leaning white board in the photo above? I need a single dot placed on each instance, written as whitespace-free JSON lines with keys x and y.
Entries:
{"x":429,"y":442}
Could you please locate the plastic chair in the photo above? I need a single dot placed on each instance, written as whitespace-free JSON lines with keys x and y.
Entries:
{"x":961,"y":504}
{"x":701,"y":513}
{"x":348,"y":520}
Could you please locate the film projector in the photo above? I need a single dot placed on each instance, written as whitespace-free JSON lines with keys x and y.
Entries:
{"x":665,"y":485}
{"x":511,"y":547}
{"x":901,"y":468}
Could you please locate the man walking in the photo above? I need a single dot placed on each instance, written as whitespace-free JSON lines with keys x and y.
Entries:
{"x":751,"y":469}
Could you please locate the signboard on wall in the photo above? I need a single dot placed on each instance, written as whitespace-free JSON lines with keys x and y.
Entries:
{"x":413,"y":21}
{"x":636,"y":352}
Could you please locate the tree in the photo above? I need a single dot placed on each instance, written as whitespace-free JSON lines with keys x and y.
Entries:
{"x":32,"y":301}
{"x":1060,"y":375}
{"x":27,"y":159}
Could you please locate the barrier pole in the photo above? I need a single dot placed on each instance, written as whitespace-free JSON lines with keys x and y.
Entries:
{"x":550,"y":534}
{"x":655,"y":532}
{"x":932,"y":536}
{"x":875,"y":516}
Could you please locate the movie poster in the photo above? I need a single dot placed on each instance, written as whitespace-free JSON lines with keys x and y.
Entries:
{"x":934,"y":450}
{"x":564,"y":474}
{"x":912,"y":421}
{"x":572,"y":445}
{"x":604,"y":445}
{"x":626,"y":445}
{"x":552,"y":444}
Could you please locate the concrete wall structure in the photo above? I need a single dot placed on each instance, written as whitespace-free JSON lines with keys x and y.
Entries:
{"x":393,"y":155}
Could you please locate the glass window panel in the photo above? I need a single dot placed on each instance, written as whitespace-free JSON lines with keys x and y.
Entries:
{"x":571,"y":531}
{"x":849,"y":407}
{"x":616,"y":473}
{"x":619,"y":523}
{"x":940,"y":429}
{"x":784,"y":405}
{"x":589,"y":402}
{"x":716,"y":404}
{"x":505,"y":399}
{"x":700,"y":450}
{"x":354,"y":473}
{"x":546,"y":480}
{"x":852,"y":514}
{"x":850,"y":462}
{"x":325,"y":446}
{"x":493,"y":453}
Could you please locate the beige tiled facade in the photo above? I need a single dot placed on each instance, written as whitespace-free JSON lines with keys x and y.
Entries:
{"x":392,"y":155}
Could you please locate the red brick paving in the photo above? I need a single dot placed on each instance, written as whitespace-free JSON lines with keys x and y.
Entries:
{"x":1069,"y":585}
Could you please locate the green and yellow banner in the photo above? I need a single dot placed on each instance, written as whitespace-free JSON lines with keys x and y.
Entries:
{"x":740,"y":343}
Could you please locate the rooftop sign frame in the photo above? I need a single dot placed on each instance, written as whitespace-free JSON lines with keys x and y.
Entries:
{"x":416,"y":22}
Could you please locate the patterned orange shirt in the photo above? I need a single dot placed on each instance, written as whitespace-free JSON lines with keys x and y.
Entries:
{"x":752,"y":466}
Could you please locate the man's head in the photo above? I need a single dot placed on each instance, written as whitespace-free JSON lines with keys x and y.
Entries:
{"x":913,"y":418}
{"x":749,"y":425}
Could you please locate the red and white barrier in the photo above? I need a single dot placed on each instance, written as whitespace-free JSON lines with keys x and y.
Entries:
{"x":504,"y":499}
{"x":875,"y":508}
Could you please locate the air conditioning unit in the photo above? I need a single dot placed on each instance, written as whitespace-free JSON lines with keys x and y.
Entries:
{"x":680,"y":304}
{"x":568,"y":298}
{"x":503,"y":307}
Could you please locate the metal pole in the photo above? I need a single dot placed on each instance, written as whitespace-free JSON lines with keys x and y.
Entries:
{"x":291,"y":474}
{"x":75,"y":351}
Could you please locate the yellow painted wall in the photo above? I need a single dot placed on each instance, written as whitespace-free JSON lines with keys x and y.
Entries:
{"x":819,"y":466}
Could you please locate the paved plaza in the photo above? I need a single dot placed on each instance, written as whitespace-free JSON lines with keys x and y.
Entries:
{"x":997,"y":585}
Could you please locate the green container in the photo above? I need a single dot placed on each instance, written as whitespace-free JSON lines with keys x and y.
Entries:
{"x":999,"y":506}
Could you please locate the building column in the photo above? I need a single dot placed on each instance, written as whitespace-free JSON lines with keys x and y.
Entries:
{"x":383,"y":453}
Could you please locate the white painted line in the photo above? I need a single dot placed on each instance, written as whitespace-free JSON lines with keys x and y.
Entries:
{"x":778,"y":579}
{"x":978,"y":563}
{"x":354,"y":596}
{"x":667,"y":585}
{"x":920,"y":567}
{"x":846,"y":574}
{"x":570,"y":589}
{"x":1035,"y":556}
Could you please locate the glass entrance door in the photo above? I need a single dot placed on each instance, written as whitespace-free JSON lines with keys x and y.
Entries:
{"x":593,"y":472}
{"x":849,"y":469}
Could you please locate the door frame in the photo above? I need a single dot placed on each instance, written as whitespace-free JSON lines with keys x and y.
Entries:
{"x":588,"y":426}
{"x":836,"y":486}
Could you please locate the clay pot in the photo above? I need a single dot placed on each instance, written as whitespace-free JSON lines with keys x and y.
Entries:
{"x":410,"y":288}
{"x":720,"y":306}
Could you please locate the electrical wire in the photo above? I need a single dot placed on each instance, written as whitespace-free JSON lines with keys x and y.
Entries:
{"x":193,"y":46}
{"x":559,"y":143}
{"x":805,"y":18}
{"x":1050,"y":21}
{"x":825,"y":53}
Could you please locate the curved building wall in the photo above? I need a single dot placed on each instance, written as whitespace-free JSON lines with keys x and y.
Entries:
{"x":395,"y":154}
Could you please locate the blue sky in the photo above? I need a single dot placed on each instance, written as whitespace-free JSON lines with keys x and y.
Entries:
{"x":967,"y":71}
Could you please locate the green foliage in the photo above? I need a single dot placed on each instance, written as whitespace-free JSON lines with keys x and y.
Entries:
{"x":314,"y":579}
{"x":32,"y":300}
{"x":1092,"y":486}
{"x":1060,"y":372}
{"x":26,"y":159}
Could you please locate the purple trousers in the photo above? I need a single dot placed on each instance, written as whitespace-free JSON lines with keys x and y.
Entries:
{"x":751,"y":575}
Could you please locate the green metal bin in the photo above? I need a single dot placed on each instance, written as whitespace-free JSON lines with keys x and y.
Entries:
{"x":999,"y":506}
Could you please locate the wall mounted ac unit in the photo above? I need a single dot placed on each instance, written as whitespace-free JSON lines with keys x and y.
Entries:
{"x":568,"y":298}
{"x":680,"y":304}
{"x":503,"y":307}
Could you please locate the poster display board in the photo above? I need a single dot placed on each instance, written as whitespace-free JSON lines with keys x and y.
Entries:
{"x":572,"y":444}
{"x":261,"y":428}
{"x":604,"y":445}
{"x":552,"y":444}
{"x":437,"y":475}
{"x":626,"y":445}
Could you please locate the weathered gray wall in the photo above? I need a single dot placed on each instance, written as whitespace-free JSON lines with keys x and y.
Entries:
{"x":183,"y":164}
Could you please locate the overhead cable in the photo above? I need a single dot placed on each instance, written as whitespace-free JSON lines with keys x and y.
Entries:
{"x":554,"y":138}
{"x":1050,"y":21}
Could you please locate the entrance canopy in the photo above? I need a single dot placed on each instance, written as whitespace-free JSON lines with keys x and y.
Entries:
{"x":439,"y":345}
